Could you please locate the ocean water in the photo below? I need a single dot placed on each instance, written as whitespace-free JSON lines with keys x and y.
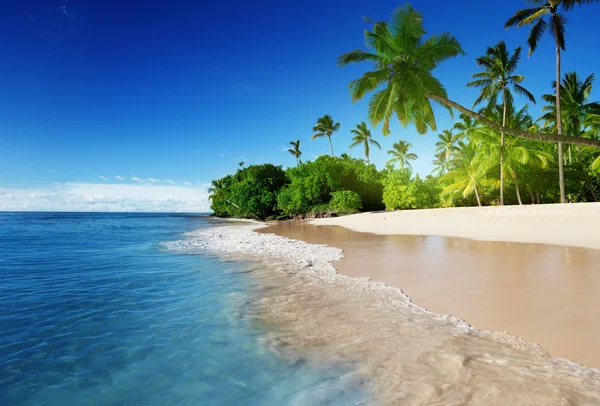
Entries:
{"x":95,"y":311}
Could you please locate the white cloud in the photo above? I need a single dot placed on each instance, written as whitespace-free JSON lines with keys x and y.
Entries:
{"x":186,"y":183}
{"x":170,"y":182}
{"x":119,"y":178}
{"x":102,"y":177}
{"x":136,"y":179}
{"x":106,"y":197}
{"x":152,"y":180}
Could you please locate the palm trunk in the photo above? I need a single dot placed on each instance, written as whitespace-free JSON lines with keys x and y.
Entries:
{"x":330,"y":145}
{"x":502,"y":148}
{"x":517,"y":190}
{"x":477,"y":195}
{"x":532,"y":197}
{"x":533,"y":136}
{"x":561,"y":172}
{"x":297,"y":162}
{"x":587,"y":176}
{"x":537,"y":195}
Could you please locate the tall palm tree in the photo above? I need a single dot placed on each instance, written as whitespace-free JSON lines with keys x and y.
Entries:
{"x":497,"y":79}
{"x":403,"y":81}
{"x":400,"y":155}
{"x":575,"y":108}
{"x":362,"y":135}
{"x":325,"y":127}
{"x":467,"y":172}
{"x":447,"y":144}
{"x":517,"y":153}
{"x":295,"y":150}
{"x":548,"y":10}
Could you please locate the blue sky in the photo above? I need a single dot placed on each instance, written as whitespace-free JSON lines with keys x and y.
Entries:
{"x":168,"y":95}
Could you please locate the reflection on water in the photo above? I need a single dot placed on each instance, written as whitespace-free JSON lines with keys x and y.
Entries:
{"x":542,"y":293}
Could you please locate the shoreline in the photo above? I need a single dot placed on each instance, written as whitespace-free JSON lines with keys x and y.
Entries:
{"x":573,"y":225}
{"x":411,"y":354}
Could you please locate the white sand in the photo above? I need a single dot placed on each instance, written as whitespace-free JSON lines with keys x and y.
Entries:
{"x":576,"y":225}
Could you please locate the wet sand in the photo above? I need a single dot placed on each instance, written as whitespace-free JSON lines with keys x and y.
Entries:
{"x":546,"y":294}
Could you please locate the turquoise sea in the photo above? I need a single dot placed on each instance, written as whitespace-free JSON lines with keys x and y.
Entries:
{"x":95,"y":311}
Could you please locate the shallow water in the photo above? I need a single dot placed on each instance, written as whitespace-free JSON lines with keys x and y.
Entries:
{"x":96,"y":312}
{"x":406,"y":354}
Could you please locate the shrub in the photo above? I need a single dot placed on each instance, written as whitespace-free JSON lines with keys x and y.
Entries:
{"x":345,"y":200}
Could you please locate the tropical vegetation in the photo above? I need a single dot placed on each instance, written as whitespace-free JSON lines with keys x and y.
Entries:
{"x":499,"y":154}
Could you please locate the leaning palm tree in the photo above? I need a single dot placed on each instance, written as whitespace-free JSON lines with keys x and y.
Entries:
{"x":295,"y":150}
{"x":403,"y":81}
{"x":497,"y":79}
{"x":325,"y":127}
{"x":547,"y":14}
{"x":575,"y":110}
{"x":400,"y":155}
{"x":447,"y":144}
{"x":362,"y":135}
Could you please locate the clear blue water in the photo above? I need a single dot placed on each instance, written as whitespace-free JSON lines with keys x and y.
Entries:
{"x":96,"y":312}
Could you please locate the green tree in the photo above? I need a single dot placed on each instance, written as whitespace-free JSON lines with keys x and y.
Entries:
{"x":447,"y":144}
{"x":404,"y":62}
{"x":467,"y":127}
{"x":400,"y":155}
{"x":467,"y":172}
{"x":497,"y":79}
{"x":575,"y":108}
{"x":325,"y":127}
{"x":547,"y":14}
{"x":345,"y":200}
{"x":362,"y":135}
{"x":440,"y":164}
{"x":295,"y":150}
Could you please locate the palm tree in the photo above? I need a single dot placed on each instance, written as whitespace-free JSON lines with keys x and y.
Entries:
{"x":496,"y":80}
{"x":517,"y":153}
{"x":447,"y":144}
{"x":404,"y":62}
{"x":362,"y":135}
{"x":467,"y":172}
{"x":295,"y":150}
{"x":537,"y":17}
{"x":575,"y":108}
{"x":440,"y":163}
{"x":325,"y":127}
{"x":400,"y":154}
{"x":467,"y":127}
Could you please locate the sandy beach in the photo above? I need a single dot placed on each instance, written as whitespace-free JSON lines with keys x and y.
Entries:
{"x":573,"y":225}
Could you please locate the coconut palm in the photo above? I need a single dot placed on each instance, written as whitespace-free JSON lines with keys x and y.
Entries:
{"x":440,"y":164}
{"x":497,"y":80}
{"x":575,"y":108}
{"x":467,"y":127}
{"x":547,"y":14}
{"x":362,"y":135}
{"x":403,"y":81}
{"x":325,"y":127}
{"x":400,"y":155}
{"x":295,"y":150}
{"x":467,"y":174}
{"x":447,"y":144}
{"x":518,"y":153}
